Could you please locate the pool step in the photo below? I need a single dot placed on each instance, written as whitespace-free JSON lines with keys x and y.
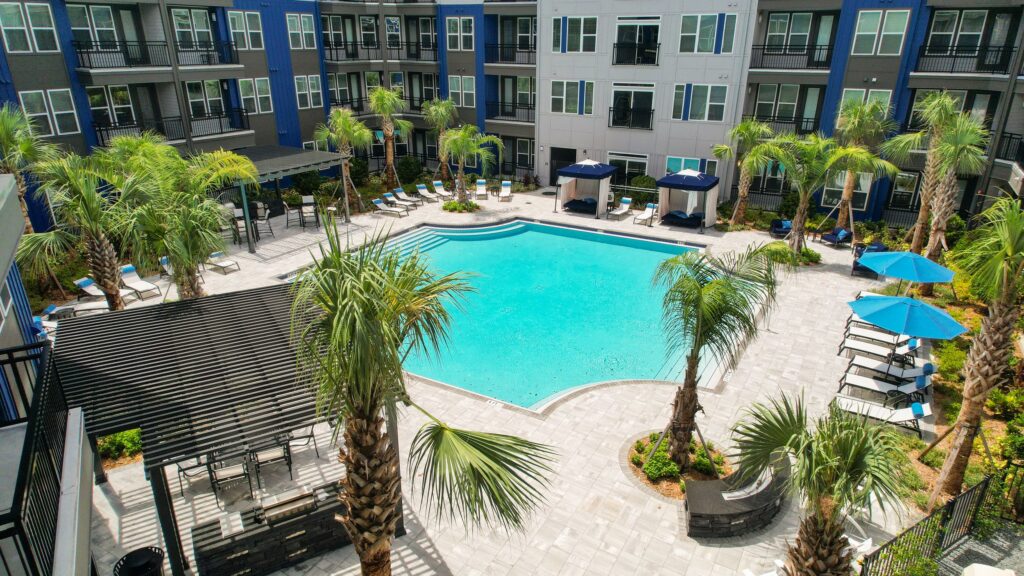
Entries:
{"x":484,"y":233}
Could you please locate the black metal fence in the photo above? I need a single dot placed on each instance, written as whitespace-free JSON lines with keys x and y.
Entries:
{"x":173,"y":127}
{"x":790,"y":124}
{"x":1010,"y":147}
{"x":634,"y":54}
{"x":510,"y":54}
{"x":345,"y":51}
{"x":511,"y":111}
{"x":1011,"y":501}
{"x":639,"y":118}
{"x":120,"y":54}
{"x":229,"y":120}
{"x":930,"y":537}
{"x":764,"y":201}
{"x":791,"y":56}
{"x":965,"y":59}
{"x":412,"y":51}
{"x":207,"y":53}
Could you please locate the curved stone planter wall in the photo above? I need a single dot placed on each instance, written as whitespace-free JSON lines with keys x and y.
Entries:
{"x":709,"y":514}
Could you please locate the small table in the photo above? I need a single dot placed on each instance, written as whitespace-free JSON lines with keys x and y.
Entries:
{"x":147,"y":561}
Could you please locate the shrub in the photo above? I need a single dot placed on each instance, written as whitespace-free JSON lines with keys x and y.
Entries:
{"x":643,"y":181}
{"x":121,"y":444}
{"x":640,"y":447}
{"x":1013,"y":442}
{"x":358,"y":170}
{"x":808,"y":256}
{"x":934,"y":458}
{"x":637,"y":460}
{"x":789,"y":204}
{"x":1006,"y":403}
{"x":307,"y":183}
{"x":292,"y":198}
{"x":701,"y":463}
{"x":408,"y":168}
{"x":456,"y":206}
{"x":660,"y":466}
{"x":653,"y":436}
{"x":950,"y":357}
{"x":682,"y":486}
{"x":955,"y":229}
{"x":952,"y":411}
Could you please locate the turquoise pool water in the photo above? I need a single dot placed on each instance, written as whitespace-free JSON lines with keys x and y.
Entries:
{"x":554,"y":308}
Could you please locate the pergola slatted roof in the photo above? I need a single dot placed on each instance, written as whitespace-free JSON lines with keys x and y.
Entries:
{"x":195,"y":376}
{"x":275,"y":162}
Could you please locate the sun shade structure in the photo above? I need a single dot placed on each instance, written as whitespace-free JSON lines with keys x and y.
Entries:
{"x":698,"y":193}
{"x":586,"y":181}
{"x":907,"y":316}
{"x":906,"y":266}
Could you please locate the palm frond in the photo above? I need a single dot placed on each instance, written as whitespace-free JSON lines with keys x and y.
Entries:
{"x":37,"y":251}
{"x":994,"y":258}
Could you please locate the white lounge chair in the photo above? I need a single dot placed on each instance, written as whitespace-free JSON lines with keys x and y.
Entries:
{"x":877,"y":335}
{"x":400,"y":193}
{"x":89,"y":288}
{"x":168,"y":270}
{"x":218,"y":261}
{"x":880,"y":350}
{"x":909,"y":417}
{"x":779,"y":565}
{"x":481,"y":189}
{"x":397,"y":210}
{"x":890,"y":369}
{"x":625,"y":204}
{"x":131,"y":280}
{"x":506,"y":191}
{"x":440,"y":191}
{"x":421,"y":189}
{"x":394,"y":201}
{"x":895,"y":392}
{"x":647,"y":216}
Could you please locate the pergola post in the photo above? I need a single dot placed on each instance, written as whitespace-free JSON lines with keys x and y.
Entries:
{"x":245,"y":216}
{"x":168,"y":522}
{"x":97,"y":461}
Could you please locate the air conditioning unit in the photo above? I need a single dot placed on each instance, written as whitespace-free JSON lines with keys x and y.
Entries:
{"x":1016,"y":177}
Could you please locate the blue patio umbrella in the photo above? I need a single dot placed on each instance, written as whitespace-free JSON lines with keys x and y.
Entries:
{"x":907,"y":316}
{"x":906,"y":266}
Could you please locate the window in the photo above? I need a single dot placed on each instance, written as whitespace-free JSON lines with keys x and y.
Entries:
{"x":788,"y":32}
{"x":302,"y":92}
{"x":629,"y":165}
{"x":581,"y":34}
{"x":426,"y":26}
{"x":368,"y":31}
{"x":776,"y":101}
{"x":15,"y":29}
{"x":526,"y":32}
{"x":204,"y":98}
{"x":312,"y":145}
{"x":63,"y":108}
{"x":675,"y":164}
{"x":308,"y":32}
{"x":246,"y":30}
{"x":834,"y":190}
{"x":459,"y":33}
{"x":728,"y":33}
{"x":462,"y":90}
{"x":34,"y":105}
{"x":110,"y":105}
{"x":880,"y":32}
{"x":565,"y":97}
{"x":940,"y":37}
{"x":972,"y":24}
{"x":882,"y":96}
{"x":862,"y":95}
{"x":294,"y":31}
{"x":192,"y":28}
{"x":852,"y":94}
{"x":707,"y":102}
{"x":904,"y":191}
{"x":254,"y":29}
{"x":711,"y":167}
{"x":393,"y":31}
{"x":524,"y":152}
{"x":43,"y":32}
{"x":316,"y":93}
{"x":236,"y":27}
{"x":698,"y":33}
{"x":374,"y":79}
{"x":866,"y":33}
{"x":50,"y":111}
{"x":255,"y":94}
{"x":890,"y":43}
{"x":556,"y":34}
{"x":466,"y":25}
{"x":247,"y":92}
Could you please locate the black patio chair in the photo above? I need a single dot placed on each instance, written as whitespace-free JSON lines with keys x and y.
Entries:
{"x":263,"y":219}
{"x":227,"y":470}
{"x":190,"y":469}
{"x":279,"y":451}
{"x":307,"y":435}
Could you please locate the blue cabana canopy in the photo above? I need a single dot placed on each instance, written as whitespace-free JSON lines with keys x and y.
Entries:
{"x":588,"y":170}
{"x":688,"y":180}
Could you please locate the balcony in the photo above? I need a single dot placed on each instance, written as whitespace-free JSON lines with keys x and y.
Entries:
{"x":353,"y":51}
{"x":510,"y":54}
{"x":207,"y":54}
{"x":633,"y":54}
{"x":1011,"y":148}
{"x":788,"y":124}
{"x":173,"y":127}
{"x":413,"y":51}
{"x":965,"y":60}
{"x":510,"y":111}
{"x":518,"y":170}
{"x":636,"y":118}
{"x":358,"y":106}
{"x":230,"y":120}
{"x":107,"y":55}
{"x":791,"y":56}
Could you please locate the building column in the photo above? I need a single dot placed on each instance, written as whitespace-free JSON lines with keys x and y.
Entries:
{"x":168,"y":522}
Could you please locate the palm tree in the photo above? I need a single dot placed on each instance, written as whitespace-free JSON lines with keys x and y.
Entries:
{"x":861,"y":124}
{"x":936,"y":111}
{"x":856,"y":160}
{"x":745,"y":139}
{"x":19,"y":148}
{"x":994,"y":261}
{"x":710,"y":307}
{"x":467,"y":142}
{"x":346,"y":134}
{"x":388,"y":103}
{"x":441,"y":115}
{"x":356,"y":315}
{"x":840,"y":463}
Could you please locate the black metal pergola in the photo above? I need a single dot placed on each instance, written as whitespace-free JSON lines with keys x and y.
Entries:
{"x":196,"y":376}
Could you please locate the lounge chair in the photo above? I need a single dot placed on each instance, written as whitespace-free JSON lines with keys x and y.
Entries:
{"x":506,"y":191}
{"x":625,"y":203}
{"x":860,"y":250}
{"x":421,"y":189}
{"x":77,"y":308}
{"x":394,"y":201}
{"x":876,"y":335}
{"x":780,"y":228}
{"x":909,"y":417}
{"x":481,"y":189}
{"x":401,"y":195}
{"x":890,"y":369}
{"x":89,"y":288}
{"x":131,"y":280}
{"x":382,"y":207}
{"x":837,"y":237}
{"x":582,"y":206}
{"x":779,"y":564}
{"x":647,"y":216}
{"x":895,"y":392}
{"x":218,"y":261}
{"x":680,"y":218}
{"x":168,"y":270}
{"x":440,"y":191}
{"x":882,"y":351}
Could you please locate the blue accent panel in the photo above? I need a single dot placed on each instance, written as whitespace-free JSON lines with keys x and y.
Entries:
{"x":7,"y":91}
{"x":686,"y":101}
{"x":442,"y":53}
{"x":582,"y":96}
{"x":63,"y":26}
{"x":703,"y":162}
{"x":719,"y":32}
{"x":20,"y":304}
{"x":492,"y":87}
{"x":490,"y":29}
{"x":476,"y":11}
{"x":323,"y":63}
{"x":565,"y":34}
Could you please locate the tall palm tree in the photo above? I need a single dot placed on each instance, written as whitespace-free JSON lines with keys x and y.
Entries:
{"x":855,"y":160}
{"x":346,"y":134}
{"x":862,"y":124}
{"x":356,"y":315}
{"x":710,"y":307}
{"x":19,"y":148}
{"x":994,"y":261}
{"x":935,"y":112}
{"x":441,"y":115}
{"x":745,"y":139}
{"x":388,"y":103}
{"x":467,"y":142}
{"x":840,"y":462}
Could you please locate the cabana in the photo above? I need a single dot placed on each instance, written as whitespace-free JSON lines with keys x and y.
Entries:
{"x":696,"y":203}
{"x":587,"y":187}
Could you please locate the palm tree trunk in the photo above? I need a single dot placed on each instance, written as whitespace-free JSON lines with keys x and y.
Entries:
{"x":684,"y":414}
{"x":189,"y":285}
{"x":987,"y":360}
{"x":845,"y":202}
{"x":344,"y":186}
{"x":22,"y":191}
{"x":370,"y":491}
{"x":443,"y":161}
{"x":740,"y":211}
{"x":820,"y":549}
{"x":389,"y":158}
{"x":460,"y":184}
{"x":796,"y":238}
{"x":928,"y":184}
{"x":102,"y":260}
{"x":942,"y":210}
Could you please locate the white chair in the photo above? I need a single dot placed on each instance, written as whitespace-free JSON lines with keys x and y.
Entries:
{"x":890,"y":369}
{"x":625,"y":204}
{"x":647,"y":216}
{"x":880,"y":350}
{"x":394,"y":201}
{"x":440,"y":191}
{"x":400,"y":193}
{"x":397,"y":210}
{"x":89,"y":288}
{"x":893,"y":392}
{"x":481,"y":189}
{"x":909,"y":417}
{"x":168,"y":270}
{"x":290,"y":213}
{"x":263,"y":220}
{"x":421,"y":189}
{"x":877,"y":335}
{"x":506,"y":191}
{"x":131,"y":280}
{"x":308,"y":212}
{"x":218,"y":261}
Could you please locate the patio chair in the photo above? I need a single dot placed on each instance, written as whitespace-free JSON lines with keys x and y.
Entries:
{"x":857,"y":269}
{"x":481,"y":189}
{"x":263,"y":219}
{"x":779,"y":564}
{"x":895,"y":393}
{"x":837,"y":237}
{"x":394,"y":201}
{"x":226,"y":472}
{"x":909,"y":417}
{"x":279,"y":452}
{"x":625,"y":204}
{"x":780,"y":228}
{"x":89,"y":288}
{"x":289,"y":214}
{"x":308,"y":212}
{"x":219,"y":262}
{"x":440,"y":191}
{"x":306,"y":434}
{"x":190,"y":469}
{"x":902,"y":372}
{"x":876,"y":335}
{"x":903,"y":351}
{"x":396,"y":210}
{"x":401,"y":195}
{"x":506,"y":191}
{"x":647,"y":216}
{"x":167,"y":270}
{"x":421,"y":190}
{"x":130,"y":279}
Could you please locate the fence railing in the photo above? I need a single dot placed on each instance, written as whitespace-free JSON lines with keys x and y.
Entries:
{"x":899,"y":217}
{"x":230,"y":120}
{"x":347,"y":51}
{"x":764,"y":200}
{"x":635,"y":54}
{"x":640,"y":196}
{"x":207,"y":53}
{"x":514,"y":169}
{"x":511,"y":111}
{"x":120,"y":54}
{"x":1011,"y":501}
{"x":965,"y":59}
{"x":173,"y":127}
{"x":1010,"y":147}
{"x":791,"y":56}
{"x":510,"y":54}
{"x":639,"y":118}
{"x":788,"y":123}
{"x":357,"y":105}
{"x":411,"y":51}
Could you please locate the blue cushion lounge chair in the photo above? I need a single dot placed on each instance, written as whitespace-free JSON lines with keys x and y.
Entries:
{"x":396,"y":210}
{"x":909,"y":417}
{"x":780,"y":228}
{"x":895,"y":392}
{"x":584,"y":206}
{"x":903,"y":352}
{"x":837,"y":237}
{"x":89,"y":288}
{"x":400,"y":193}
{"x":890,"y":370}
{"x":859,"y":251}
{"x":392,"y":200}
{"x":680,"y":218}
{"x":131,"y":280}
{"x":218,"y":261}
{"x":421,"y":189}
{"x":647,"y":216}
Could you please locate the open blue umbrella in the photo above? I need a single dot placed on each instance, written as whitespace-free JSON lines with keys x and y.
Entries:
{"x":906,"y":266}
{"x":907,"y":316}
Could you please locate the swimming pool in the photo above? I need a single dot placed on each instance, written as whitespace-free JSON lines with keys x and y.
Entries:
{"x":555,"y":308}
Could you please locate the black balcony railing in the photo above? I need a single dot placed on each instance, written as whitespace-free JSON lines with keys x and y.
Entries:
{"x":99,"y":55}
{"x":965,"y":59}
{"x":789,"y":124}
{"x":207,"y":53}
{"x":416,"y":103}
{"x":411,"y":51}
{"x":357,"y":105}
{"x":639,"y":118}
{"x":791,"y":56}
{"x":1011,"y":148}
{"x":633,"y":54}
{"x":230,"y":120}
{"x":171,"y":127}
{"x":510,"y":54}
{"x":350,"y":51}
{"x":511,"y":111}
{"x":514,"y":168}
